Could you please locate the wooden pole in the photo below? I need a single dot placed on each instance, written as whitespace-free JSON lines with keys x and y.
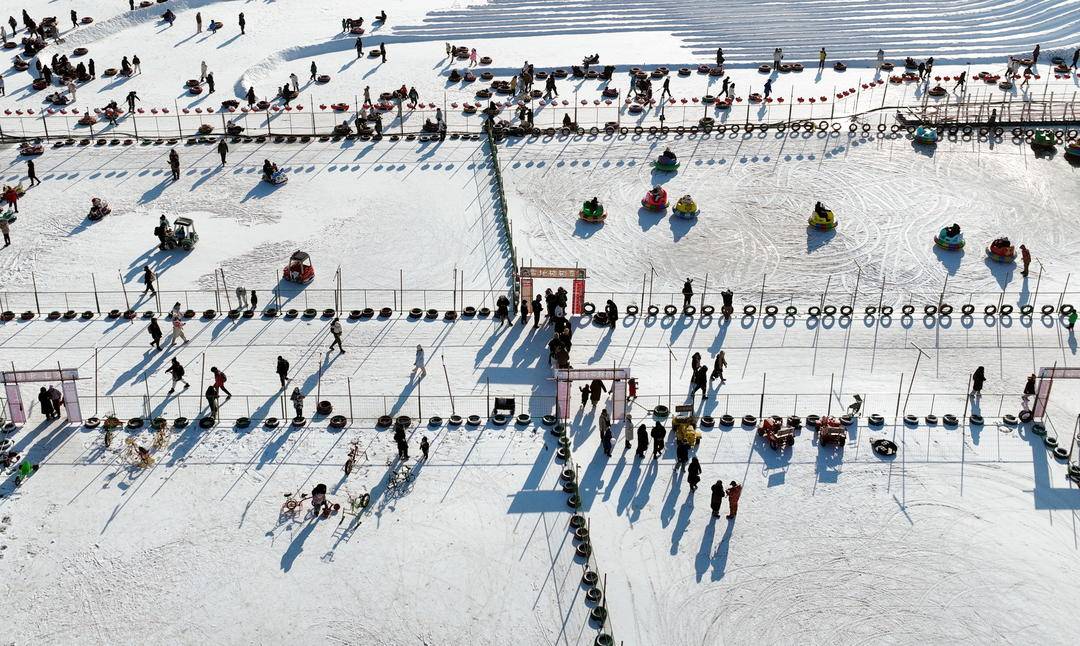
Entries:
{"x":127,"y":303}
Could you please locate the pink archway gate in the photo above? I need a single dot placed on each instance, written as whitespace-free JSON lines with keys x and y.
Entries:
{"x":526,"y":275}
{"x":67,"y":377}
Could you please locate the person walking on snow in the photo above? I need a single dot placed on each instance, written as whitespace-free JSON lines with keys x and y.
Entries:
{"x":5,"y":229}
{"x":282,"y":370}
{"x":211,"y":395}
{"x":700,"y":381}
{"x":777,"y":56}
{"x":176,"y":371}
{"x":174,"y":164}
{"x":136,"y":63}
{"x":382,"y":51}
{"x":717,"y":498}
{"x":1035,"y":54}
{"x":880,"y":59}
{"x":222,"y":149}
{"x":242,"y":22}
{"x":768,"y":88}
{"x":314,"y":71}
{"x":209,"y":82}
{"x":148,"y":279}
{"x":1029,"y":387}
{"x":46,"y":403}
{"x":584,"y":394}
{"x":241,"y":297}
{"x":720,"y":57}
{"x":978,"y":378}
{"x":719,"y":363}
{"x":642,"y":441}
{"x":202,"y":71}
{"x":198,"y":22}
{"x":251,"y":100}
{"x":537,"y":307}
{"x":254,"y":301}
{"x":1025,"y":258}
{"x":659,"y":435}
{"x":425,"y":446}
{"x":1076,"y":58}
{"x":155,"y":332}
{"x":418,"y":363}
{"x":177,"y":331}
{"x":693,"y":476}
{"x":335,"y":330}
{"x":595,"y":388}
{"x":687,"y":292}
{"x":733,"y":494}
{"x":295,"y":82}
{"x":605,"y":432}
{"x":961,"y":81}
{"x":472,"y":57}
{"x":219,"y":381}
{"x":31,"y":171}
{"x":821,"y":59}
{"x":666,"y":89}
{"x":297,"y":399}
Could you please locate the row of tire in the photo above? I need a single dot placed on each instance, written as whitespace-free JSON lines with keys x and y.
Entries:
{"x":797,"y":126}
{"x":815,"y":311}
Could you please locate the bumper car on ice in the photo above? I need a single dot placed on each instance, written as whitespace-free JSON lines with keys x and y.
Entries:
{"x":655,"y":200}
{"x":926,"y":136}
{"x":822,"y":219}
{"x":667,"y":162}
{"x":1001,"y":250}
{"x":685,"y":208}
{"x":99,"y":208}
{"x":592,"y":211}
{"x":950,"y":238}
{"x":1072,"y":149}
{"x":299,"y":269}
{"x":1043,"y":139}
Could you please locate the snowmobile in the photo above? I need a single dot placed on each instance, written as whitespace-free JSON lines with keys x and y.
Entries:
{"x":99,"y":208}
{"x":274,"y":175}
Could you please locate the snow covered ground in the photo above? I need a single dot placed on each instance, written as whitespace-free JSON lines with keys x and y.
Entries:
{"x":967,"y":535}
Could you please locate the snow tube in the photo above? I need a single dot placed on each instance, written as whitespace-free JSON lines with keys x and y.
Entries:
{"x":823,"y":223}
{"x":947,"y":242}
{"x":926,"y":136}
{"x":592,"y":215}
{"x":1072,"y":149}
{"x":666,"y":165}
{"x":1001,"y":254}
{"x":685,"y":208}
{"x":655,"y":204}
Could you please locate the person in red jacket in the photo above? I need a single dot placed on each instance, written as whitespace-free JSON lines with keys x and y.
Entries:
{"x":733,"y":493}
{"x":1025,"y":258}
{"x":219,"y":381}
{"x":11,"y":196}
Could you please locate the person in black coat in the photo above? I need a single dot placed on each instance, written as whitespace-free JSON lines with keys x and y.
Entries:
{"x":612,"y":312}
{"x":694,"y":474}
{"x":584,"y":395}
{"x":700,"y":382}
{"x":537,"y":307}
{"x":502,"y":309}
{"x":682,"y":454}
{"x":642,"y":440}
{"x":687,"y":292}
{"x":606,"y":439}
{"x":659,"y":435}
{"x":977,"y":381}
{"x":523,"y":309}
{"x":282,"y":370}
{"x":155,"y":332}
{"x":717,"y":498}
{"x":46,"y":403}
{"x":595,"y":388}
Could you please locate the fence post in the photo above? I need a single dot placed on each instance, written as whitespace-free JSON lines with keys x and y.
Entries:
{"x":45,"y":124}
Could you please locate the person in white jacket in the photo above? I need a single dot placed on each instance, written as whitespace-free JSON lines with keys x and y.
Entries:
{"x":418,"y":365}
